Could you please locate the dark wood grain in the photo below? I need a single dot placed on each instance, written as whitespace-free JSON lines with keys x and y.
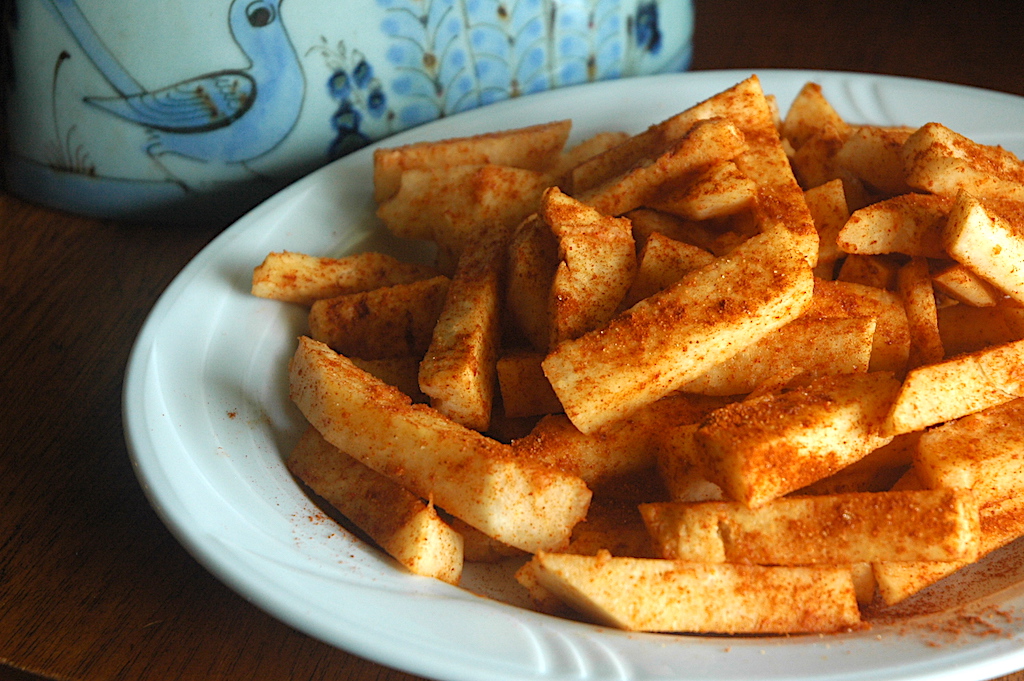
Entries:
{"x":975,"y":43}
{"x":92,"y":586}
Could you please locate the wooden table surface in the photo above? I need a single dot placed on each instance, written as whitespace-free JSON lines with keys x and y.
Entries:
{"x":92,"y":586}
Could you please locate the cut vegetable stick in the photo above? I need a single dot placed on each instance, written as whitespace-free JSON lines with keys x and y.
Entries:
{"x":643,"y":594}
{"x":561,"y":173}
{"x":941,"y":161}
{"x":618,"y":449}
{"x":828,"y":208}
{"x":910,"y":224}
{"x":814,"y":161}
{"x":399,"y":521}
{"x":393,"y":321}
{"x":810,"y":347}
{"x":535,"y":147}
{"x":532,"y":263}
{"x":719,"y":191}
{"x":523,"y":504}
{"x":458,"y":371}
{"x":670,"y":338}
{"x":987,"y":244}
{"x":744,"y":103}
{"x":956,"y":387}
{"x":915,"y":288}
{"x":960,"y":283}
{"x":809,"y":112}
{"x":832,"y":529}
{"x":780,"y":201}
{"x":878,"y":271}
{"x":615,"y":450}
{"x":597,"y":263}
{"x":303,"y":279}
{"x":1001,"y":523}
{"x":982,"y":452}
{"x":679,"y":467}
{"x":662,"y":262}
{"x":763,"y":448}
{"x":872,"y":153}
{"x":707,"y":142}
{"x":450,"y":204}
{"x":891,"y":345}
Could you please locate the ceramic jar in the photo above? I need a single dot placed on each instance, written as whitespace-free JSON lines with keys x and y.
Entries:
{"x":195,"y":110}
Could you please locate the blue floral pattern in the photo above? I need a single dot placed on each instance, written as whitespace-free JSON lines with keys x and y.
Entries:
{"x":455,"y":55}
{"x":362,"y":113}
{"x":648,"y":34}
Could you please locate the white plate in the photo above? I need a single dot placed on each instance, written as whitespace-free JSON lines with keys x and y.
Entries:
{"x":208,"y":423}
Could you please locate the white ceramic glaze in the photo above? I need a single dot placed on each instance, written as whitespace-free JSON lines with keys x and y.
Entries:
{"x":178,"y":109}
{"x":208,"y":423}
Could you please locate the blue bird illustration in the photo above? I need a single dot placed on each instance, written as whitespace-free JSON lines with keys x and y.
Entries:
{"x":228,"y":116}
